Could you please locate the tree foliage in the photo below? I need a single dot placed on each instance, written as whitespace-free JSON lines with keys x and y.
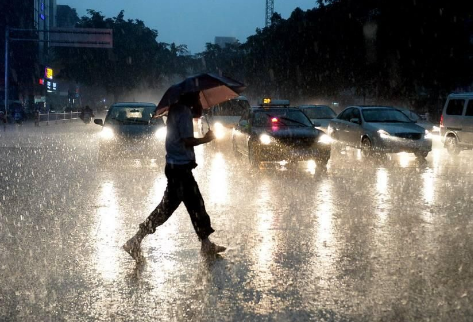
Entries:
{"x":385,"y":50}
{"x":137,"y":58}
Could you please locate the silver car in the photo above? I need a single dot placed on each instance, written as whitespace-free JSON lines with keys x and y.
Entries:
{"x":319,"y":115}
{"x":379,"y":129}
{"x":421,"y":121}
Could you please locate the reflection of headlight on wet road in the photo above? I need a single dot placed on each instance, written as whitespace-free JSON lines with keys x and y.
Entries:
{"x":107,"y":133}
{"x":325,"y":139}
{"x":265,"y":139}
{"x":161,"y":133}
{"x":219,"y":131}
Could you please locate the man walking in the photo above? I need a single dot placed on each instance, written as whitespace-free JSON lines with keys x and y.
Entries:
{"x":181,"y":185}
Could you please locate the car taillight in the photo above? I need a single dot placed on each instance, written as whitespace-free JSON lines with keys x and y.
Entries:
{"x":274,"y":120}
{"x":441,"y":121}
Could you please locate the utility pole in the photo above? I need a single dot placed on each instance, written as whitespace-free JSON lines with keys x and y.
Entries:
{"x":7,"y":35}
{"x":269,"y":11}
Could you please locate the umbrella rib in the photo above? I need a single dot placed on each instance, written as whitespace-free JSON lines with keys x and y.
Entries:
{"x":205,"y":98}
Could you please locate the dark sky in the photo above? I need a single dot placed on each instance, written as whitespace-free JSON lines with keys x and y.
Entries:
{"x":193,"y":22}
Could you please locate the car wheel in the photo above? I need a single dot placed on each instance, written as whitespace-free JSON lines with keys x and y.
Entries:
{"x":452,"y":145}
{"x":253,"y":157}
{"x":421,"y":154}
{"x":366,"y":147}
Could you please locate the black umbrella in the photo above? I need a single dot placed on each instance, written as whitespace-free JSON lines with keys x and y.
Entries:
{"x":213,"y":89}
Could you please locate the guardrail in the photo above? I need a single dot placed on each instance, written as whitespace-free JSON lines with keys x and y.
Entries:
{"x":58,"y":117}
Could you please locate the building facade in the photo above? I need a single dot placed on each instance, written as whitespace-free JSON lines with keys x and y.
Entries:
{"x":26,"y":58}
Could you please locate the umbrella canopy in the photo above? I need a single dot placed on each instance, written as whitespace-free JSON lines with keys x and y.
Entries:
{"x":213,"y":89}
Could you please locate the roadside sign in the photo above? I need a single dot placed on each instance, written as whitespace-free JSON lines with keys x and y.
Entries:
{"x":81,"y":37}
{"x":48,"y":73}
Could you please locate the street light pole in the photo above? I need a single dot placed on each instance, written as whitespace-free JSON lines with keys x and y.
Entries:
{"x":7,"y":35}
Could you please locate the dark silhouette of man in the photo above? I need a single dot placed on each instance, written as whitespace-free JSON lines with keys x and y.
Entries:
{"x":181,"y":185}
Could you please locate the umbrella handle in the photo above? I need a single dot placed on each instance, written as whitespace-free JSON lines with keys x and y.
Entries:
{"x":207,"y":120}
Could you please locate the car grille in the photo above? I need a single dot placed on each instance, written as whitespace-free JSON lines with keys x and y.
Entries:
{"x":299,"y":142}
{"x":409,"y":136}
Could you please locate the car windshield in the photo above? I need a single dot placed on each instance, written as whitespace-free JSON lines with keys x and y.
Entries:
{"x":412,"y":115}
{"x":379,"y":115}
{"x":130,"y":114}
{"x":319,"y":112}
{"x":230,"y":108}
{"x":281,"y":117}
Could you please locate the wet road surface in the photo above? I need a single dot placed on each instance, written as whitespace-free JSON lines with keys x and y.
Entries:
{"x":387,"y":240}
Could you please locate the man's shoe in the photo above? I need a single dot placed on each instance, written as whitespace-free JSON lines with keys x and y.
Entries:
{"x":132,"y":247}
{"x":211,"y":248}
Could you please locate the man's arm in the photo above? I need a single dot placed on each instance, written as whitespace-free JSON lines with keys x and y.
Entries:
{"x":189,"y":142}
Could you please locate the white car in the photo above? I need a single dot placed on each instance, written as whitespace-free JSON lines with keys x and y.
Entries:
{"x":456,"y":123}
{"x":223,"y":117}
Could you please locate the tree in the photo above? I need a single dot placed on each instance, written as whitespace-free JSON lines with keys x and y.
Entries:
{"x":66,"y":16}
{"x":136,"y":60}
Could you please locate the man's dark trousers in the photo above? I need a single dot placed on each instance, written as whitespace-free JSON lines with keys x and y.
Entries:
{"x":181,"y":187}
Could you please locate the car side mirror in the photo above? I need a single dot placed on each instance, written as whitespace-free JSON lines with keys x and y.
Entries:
{"x":98,"y":122}
{"x":355,"y":120}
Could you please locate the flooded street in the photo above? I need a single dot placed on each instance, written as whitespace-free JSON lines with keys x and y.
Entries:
{"x":382,"y":240}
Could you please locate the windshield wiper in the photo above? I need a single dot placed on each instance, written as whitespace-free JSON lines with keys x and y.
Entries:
{"x":295,"y":121}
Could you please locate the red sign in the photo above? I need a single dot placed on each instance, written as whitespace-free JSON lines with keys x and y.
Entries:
{"x":41,"y":81}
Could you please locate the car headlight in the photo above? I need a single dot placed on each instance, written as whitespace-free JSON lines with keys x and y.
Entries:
{"x":219,"y":131}
{"x":265,"y":139}
{"x":435,"y":129}
{"x":160,"y":134}
{"x":107,"y":133}
{"x":427,"y":135}
{"x":325,"y":139}
{"x":383,"y":134}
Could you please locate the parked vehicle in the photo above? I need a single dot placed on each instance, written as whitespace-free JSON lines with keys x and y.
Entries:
{"x":456,"y":123}
{"x":379,"y":129}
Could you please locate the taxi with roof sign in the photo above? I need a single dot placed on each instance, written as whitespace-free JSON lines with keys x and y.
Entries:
{"x":274,"y":131}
